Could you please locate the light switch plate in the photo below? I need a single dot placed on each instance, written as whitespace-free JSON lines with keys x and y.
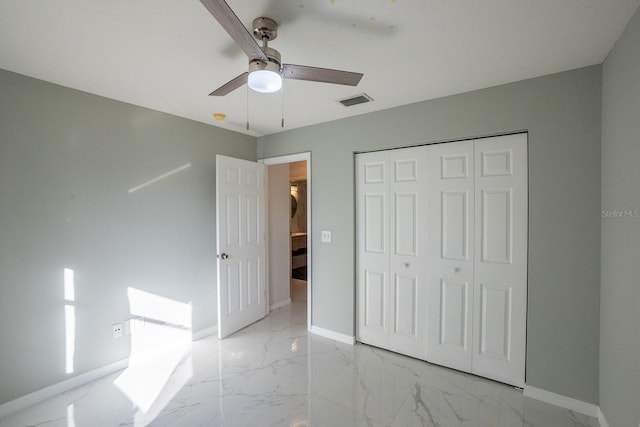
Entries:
{"x":326,"y":236}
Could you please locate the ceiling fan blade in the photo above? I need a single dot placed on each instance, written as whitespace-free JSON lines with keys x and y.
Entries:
{"x":324,"y":75}
{"x":232,"y":25}
{"x":231,"y":85}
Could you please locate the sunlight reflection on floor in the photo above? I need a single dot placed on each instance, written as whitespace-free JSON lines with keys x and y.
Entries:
{"x":160,"y":362}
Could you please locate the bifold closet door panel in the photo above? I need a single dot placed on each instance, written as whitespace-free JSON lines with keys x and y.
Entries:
{"x":408,"y":251}
{"x":372,"y":190}
{"x":391,"y":191}
{"x":500,"y":288}
{"x":451,"y":255}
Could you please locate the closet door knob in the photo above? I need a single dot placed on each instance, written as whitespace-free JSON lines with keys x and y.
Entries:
{"x":223,"y":256}
{"x":455,"y":270}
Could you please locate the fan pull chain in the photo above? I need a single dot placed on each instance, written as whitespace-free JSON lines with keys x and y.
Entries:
{"x":247,"y":107}
{"x":282,"y":114}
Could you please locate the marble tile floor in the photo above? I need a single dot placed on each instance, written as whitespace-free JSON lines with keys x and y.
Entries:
{"x":274,"y":373}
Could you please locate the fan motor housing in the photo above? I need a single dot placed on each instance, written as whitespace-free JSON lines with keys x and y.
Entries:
{"x":275,"y":61}
{"x":265,"y":29}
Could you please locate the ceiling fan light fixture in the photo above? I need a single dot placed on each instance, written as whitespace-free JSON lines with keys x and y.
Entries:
{"x":265,"y":81}
{"x":264,"y":77}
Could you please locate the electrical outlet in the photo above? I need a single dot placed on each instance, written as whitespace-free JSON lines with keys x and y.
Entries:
{"x":117,"y":330}
{"x":325,"y":236}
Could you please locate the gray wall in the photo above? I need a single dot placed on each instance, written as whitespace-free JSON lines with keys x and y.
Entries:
{"x":620,"y":294}
{"x":562,"y":114}
{"x":67,"y":162}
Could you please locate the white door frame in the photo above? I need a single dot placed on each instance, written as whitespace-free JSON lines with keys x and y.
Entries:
{"x":289,"y":159}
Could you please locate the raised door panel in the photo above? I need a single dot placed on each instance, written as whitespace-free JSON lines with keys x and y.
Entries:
{"x":375,"y":292}
{"x":405,"y":222}
{"x":252,"y":234}
{"x":254,"y":294}
{"x":496,"y":225}
{"x":500,"y":288}
{"x":495,"y":321}
{"x":450,"y":235}
{"x":232,"y":286}
{"x":406,"y":308}
{"x":454,"y":225}
{"x":375,"y":223}
{"x":233,"y":229}
{"x":454,"y":303}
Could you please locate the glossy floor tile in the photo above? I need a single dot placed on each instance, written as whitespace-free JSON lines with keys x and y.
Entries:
{"x":274,"y":373}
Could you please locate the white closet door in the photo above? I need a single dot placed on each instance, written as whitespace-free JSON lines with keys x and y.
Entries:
{"x":500,"y":288}
{"x":408,"y":251}
{"x":391,"y":250}
{"x":373,"y":247}
{"x":442,"y":254}
{"x":450,"y":277}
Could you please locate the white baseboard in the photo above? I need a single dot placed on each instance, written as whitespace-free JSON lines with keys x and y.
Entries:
{"x":61,"y":387}
{"x":601,"y":419}
{"x":279,"y":304}
{"x":54,"y":390}
{"x":347,"y":339}
{"x":565,"y":402}
{"x":205,"y":333}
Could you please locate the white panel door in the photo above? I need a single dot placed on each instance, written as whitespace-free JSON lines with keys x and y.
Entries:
{"x":451,"y":275}
{"x":372,"y":189}
{"x":391,"y":246}
{"x":240,"y":224}
{"x":408,"y":251}
{"x":500,"y":288}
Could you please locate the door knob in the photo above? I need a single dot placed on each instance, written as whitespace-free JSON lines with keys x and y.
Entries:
{"x":223,"y":256}
{"x":455,"y":269}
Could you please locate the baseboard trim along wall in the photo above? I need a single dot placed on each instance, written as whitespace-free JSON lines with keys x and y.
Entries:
{"x":279,"y":304}
{"x":601,"y":419}
{"x":564,"y":402}
{"x":61,"y":387}
{"x":205,"y":333}
{"x":343,"y":338}
{"x":54,"y":390}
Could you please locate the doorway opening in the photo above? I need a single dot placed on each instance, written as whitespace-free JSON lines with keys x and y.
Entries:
{"x":289,"y":230}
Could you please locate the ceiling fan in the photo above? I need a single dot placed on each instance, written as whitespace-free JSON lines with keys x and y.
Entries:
{"x":266,"y":69}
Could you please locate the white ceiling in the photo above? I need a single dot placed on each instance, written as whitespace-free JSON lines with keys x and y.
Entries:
{"x":168,"y":55}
